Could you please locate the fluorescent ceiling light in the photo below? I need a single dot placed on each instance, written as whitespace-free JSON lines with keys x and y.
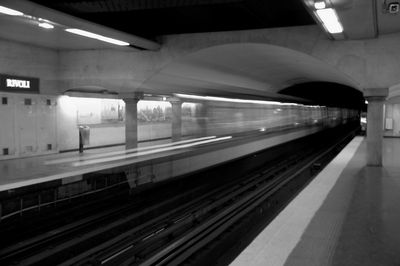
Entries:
{"x":46,"y":25}
{"x":9,"y":11}
{"x":319,"y":4}
{"x":330,"y":20}
{"x":97,"y":37}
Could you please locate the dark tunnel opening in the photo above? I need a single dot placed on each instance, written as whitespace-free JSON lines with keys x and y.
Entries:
{"x":328,"y":94}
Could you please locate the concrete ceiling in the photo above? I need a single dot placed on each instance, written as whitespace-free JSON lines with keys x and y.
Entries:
{"x":25,"y":29}
{"x":242,"y":69}
{"x":360,"y":18}
{"x":154,"y":18}
{"x":387,"y":23}
{"x":363,"y":19}
{"x":246,"y":68}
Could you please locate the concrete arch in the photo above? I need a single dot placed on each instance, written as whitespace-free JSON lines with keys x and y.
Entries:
{"x":243,"y":69}
{"x":371,"y":63}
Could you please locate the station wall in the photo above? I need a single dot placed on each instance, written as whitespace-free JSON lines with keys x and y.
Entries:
{"x":28,"y":125}
{"x":106,"y":121}
{"x":103,"y":135}
{"x":28,"y":121}
{"x":35,"y":124}
{"x":26,"y":60}
{"x":392,"y":119}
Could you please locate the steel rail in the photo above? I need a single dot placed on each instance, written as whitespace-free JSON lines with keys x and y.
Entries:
{"x":222,"y":200}
{"x":182,"y":248}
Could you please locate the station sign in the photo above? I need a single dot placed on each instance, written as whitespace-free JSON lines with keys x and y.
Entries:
{"x":17,"y":84}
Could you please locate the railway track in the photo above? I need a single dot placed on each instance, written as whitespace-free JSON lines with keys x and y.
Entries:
{"x":160,"y":234}
{"x":36,"y":250}
{"x":182,"y":248}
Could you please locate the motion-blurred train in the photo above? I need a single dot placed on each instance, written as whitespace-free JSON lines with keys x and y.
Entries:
{"x":234,"y":129}
{"x":222,"y":117}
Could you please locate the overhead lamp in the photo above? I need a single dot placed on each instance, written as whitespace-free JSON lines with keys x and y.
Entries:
{"x":97,"y":37}
{"x":9,"y":11}
{"x":319,"y":4}
{"x":45,"y":25}
{"x":330,"y":20}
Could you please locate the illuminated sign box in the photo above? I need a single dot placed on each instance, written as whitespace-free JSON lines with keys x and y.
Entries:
{"x":19,"y":84}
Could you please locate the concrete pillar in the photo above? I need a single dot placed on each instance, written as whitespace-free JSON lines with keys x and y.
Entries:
{"x":131,"y":122}
{"x":376,"y":99}
{"x":176,"y":126}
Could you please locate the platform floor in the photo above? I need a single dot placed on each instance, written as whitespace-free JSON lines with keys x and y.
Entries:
{"x":70,"y":167}
{"x":15,"y":173}
{"x":348,"y":215}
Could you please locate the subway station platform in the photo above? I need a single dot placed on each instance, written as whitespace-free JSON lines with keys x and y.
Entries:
{"x":182,"y":157}
{"x":348,"y":215}
{"x":20,"y":172}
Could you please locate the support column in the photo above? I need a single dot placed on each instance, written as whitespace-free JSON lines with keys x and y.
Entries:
{"x":131,"y":122}
{"x":376,"y":99}
{"x":176,"y":126}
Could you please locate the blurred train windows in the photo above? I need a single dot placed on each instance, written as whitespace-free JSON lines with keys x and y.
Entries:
{"x":189,"y":109}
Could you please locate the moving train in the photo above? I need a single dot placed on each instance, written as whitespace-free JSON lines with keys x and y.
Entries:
{"x":238,"y":128}
{"x":219,"y":117}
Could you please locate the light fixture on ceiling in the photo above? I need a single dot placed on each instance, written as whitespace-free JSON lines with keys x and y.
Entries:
{"x":9,"y":11}
{"x":330,"y":20}
{"x":45,"y":25}
{"x":319,"y":4}
{"x":97,"y":37}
